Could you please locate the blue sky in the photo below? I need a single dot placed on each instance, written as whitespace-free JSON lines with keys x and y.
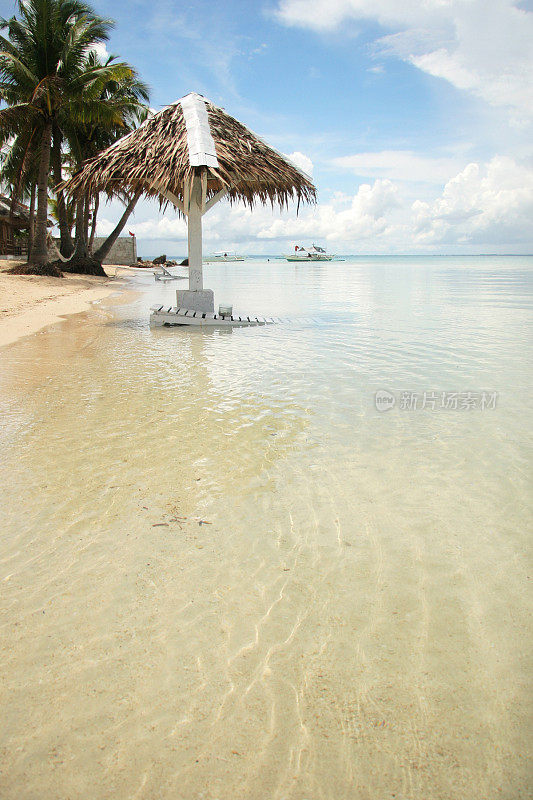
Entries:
{"x":414,"y":118}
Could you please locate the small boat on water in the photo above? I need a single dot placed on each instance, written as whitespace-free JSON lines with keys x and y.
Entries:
{"x":223,"y":256}
{"x":312,"y":253}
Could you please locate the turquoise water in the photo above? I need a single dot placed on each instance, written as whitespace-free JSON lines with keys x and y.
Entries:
{"x":227,"y":574}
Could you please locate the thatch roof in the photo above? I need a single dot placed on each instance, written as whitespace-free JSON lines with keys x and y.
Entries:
{"x":162,"y":156}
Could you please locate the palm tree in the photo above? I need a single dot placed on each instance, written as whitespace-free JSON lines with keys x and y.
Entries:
{"x":44,"y":79}
{"x":120,"y":100}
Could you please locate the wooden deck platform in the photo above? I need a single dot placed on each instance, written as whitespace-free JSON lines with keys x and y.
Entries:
{"x":171,"y":316}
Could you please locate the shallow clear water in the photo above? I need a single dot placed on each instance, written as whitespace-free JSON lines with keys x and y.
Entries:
{"x":226,"y":574}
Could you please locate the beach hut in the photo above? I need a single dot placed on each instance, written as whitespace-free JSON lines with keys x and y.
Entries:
{"x":15,"y":221}
{"x":14,"y":224}
{"x":192,"y":154}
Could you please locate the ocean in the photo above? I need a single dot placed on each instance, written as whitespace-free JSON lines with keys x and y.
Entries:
{"x":285,"y":562}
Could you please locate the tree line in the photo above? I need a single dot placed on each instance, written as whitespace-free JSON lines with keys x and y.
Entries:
{"x":62,"y":102}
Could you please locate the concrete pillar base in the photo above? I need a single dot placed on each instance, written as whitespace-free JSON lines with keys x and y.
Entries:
{"x":201,"y":300}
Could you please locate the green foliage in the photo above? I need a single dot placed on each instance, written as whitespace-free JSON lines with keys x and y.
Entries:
{"x":70,"y":209}
{"x":50,"y":75}
{"x":118,"y":100}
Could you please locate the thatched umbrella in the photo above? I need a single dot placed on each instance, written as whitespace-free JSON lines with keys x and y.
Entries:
{"x":193,"y":154}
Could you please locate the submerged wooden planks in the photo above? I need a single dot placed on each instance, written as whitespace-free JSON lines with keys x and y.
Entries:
{"x":173,"y":316}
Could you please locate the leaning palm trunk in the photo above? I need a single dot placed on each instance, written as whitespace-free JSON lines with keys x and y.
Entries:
{"x":104,"y":249}
{"x":93,"y":222}
{"x":85,"y":264}
{"x":86,"y":216}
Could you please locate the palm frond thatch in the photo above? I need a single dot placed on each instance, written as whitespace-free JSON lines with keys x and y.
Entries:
{"x":155,"y":159}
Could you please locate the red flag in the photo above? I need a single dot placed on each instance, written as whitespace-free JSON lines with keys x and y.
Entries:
{"x":131,"y":234}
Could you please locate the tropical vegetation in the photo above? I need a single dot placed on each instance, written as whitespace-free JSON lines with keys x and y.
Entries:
{"x":61,"y":104}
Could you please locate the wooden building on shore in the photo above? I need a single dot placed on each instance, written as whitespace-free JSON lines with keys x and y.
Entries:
{"x":14,"y":225}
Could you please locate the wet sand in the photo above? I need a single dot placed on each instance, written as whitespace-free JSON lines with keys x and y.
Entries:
{"x":29,"y":303}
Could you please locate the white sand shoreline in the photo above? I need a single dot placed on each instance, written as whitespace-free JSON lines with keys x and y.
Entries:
{"x":29,"y":303}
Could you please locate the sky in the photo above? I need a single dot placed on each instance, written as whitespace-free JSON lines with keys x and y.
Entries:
{"x":413,"y":118}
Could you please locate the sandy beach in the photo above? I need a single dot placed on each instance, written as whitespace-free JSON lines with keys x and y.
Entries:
{"x":30,"y":303}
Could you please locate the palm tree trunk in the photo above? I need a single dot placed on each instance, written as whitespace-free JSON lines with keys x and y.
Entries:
{"x":39,"y":255}
{"x":66,"y":247}
{"x":38,"y":263}
{"x":81,"y":262}
{"x":31,"y":226}
{"x":93,"y":222}
{"x":104,"y":249}
{"x":86,"y":215}
{"x":80,"y":242}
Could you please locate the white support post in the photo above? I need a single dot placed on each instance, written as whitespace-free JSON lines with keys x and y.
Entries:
{"x":194,"y":234}
{"x":194,"y":207}
{"x":195,"y":297}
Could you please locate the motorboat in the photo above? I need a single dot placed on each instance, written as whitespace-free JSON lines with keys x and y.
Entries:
{"x":313,"y":253}
{"x":223,"y":256}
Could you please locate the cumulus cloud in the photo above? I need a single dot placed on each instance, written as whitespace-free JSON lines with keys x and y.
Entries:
{"x":361,"y":216}
{"x":105,"y":226}
{"x":167,"y":227}
{"x":483,"y":203}
{"x":302,"y":161}
{"x":482,"y":46}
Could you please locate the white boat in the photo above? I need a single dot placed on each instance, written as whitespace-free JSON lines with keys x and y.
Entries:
{"x":312,"y":253}
{"x":223,"y":256}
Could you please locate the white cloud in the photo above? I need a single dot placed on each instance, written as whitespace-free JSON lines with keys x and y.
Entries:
{"x":483,"y":203}
{"x":481,"y":46}
{"x":400,"y":165}
{"x":104,"y":226}
{"x":101,"y":51}
{"x":169,"y":227}
{"x":361,"y":216}
{"x":302,"y":161}
{"x":259,"y":50}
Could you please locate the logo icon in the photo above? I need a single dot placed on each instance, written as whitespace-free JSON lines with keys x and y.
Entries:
{"x":384,"y":400}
